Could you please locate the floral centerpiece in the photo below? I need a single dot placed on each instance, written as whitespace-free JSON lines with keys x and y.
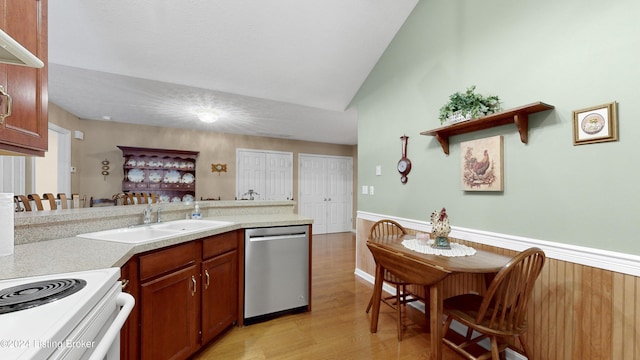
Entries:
{"x":468,"y":105}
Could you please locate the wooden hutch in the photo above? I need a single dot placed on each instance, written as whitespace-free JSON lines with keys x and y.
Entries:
{"x":170,"y":174}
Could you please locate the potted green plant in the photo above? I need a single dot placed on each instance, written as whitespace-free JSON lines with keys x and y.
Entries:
{"x":468,"y":105}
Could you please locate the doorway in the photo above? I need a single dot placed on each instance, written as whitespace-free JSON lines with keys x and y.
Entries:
{"x":52,"y":173}
{"x":40,"y":175}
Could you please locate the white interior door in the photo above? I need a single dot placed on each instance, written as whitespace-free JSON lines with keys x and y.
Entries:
{"x":264,"y":175}
{"x":312,"y":198}
{"x":339,"y":194}
{"x":279,"y":176}
{"x":325,"y":192}
{"x":251,"y":176}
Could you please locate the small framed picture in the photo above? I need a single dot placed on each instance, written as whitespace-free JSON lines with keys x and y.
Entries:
{"x":595,"y":124}
{"x":482,"y":164}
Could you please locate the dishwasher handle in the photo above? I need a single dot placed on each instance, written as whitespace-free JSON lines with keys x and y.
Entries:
{"x":277,"y":237}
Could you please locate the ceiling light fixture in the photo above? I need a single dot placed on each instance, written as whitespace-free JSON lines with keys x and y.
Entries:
{"x":208,"y":116}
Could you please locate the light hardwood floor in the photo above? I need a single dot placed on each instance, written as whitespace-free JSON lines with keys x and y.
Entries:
{"x":337,"y":327}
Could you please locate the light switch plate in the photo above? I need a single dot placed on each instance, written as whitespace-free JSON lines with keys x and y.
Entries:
{"x":378,"y":170}
{"x":365,"y":190}
{"x":371,"y":190}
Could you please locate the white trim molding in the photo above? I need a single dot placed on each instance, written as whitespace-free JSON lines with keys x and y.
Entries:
{"x":597,"y":258}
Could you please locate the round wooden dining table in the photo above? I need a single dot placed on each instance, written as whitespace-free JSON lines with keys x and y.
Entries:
{"x":426,"y":270}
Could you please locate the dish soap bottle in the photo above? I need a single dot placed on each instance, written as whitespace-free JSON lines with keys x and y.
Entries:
{"x":196,"y":215}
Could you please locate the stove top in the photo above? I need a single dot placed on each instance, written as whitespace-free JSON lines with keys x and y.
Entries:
{"x":37,"y":293}
{"x":33,"y":332}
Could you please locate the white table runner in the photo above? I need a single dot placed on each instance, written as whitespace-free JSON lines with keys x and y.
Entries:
{"x":424,"y":247}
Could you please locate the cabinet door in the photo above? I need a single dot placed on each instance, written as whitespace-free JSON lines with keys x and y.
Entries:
{"x":170,"y":315}
{"x":26,"y":130}
{"x":219,"y":294}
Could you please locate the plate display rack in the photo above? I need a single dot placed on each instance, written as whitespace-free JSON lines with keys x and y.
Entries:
{"x":170,"y":174}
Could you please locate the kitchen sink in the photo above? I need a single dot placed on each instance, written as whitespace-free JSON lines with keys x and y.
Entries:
{"x":191,"y":225}
{"x":132,"y":235}
{"x":154,"y":232}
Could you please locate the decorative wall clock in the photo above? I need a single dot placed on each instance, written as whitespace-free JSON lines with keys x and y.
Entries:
{"x":404,"y":165}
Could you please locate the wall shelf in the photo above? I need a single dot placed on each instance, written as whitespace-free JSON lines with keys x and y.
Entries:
{"x":518,"y":116}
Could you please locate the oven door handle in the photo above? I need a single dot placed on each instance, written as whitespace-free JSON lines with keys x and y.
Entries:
{"x":126,"y":301}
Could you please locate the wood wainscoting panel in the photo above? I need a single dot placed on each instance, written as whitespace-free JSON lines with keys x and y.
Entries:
{"x":626,"y":317}
{"x":576,"y":311}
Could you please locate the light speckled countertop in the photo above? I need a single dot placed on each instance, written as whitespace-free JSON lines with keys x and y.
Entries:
{"x":77,"y":254}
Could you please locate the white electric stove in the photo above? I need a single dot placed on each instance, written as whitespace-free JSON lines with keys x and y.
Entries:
{"x":63,"y":316}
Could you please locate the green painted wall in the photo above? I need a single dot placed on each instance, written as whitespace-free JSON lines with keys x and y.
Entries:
{"x":572,"y":54}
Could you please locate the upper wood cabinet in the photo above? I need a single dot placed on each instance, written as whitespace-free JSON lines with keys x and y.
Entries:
{"x":26,"y":130}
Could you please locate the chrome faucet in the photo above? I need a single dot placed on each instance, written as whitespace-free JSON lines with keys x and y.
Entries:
{"x":147,"y":214}
{"x":158,"y":217}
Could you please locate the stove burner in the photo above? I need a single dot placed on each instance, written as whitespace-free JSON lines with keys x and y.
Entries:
{"x":38,"y":293}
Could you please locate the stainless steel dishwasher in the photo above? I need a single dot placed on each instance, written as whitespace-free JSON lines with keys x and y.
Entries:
{"x":276,"y":272}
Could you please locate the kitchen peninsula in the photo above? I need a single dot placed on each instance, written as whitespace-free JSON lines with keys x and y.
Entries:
{"x":207,"y":263}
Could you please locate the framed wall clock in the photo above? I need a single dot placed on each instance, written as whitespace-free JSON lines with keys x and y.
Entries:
{"x":404,"y":165}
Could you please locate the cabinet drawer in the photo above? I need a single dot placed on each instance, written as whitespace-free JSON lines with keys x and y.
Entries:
{"x":164,"y":261}
{"x":218,"y":244}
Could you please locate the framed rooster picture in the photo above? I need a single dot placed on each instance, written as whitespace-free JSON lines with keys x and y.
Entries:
{"x":482,"y":164}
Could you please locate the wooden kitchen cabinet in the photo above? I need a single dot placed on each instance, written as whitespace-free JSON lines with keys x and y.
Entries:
{"x":26,"y":130}
{"x":169,"y":308}
{"x":219,"y":284}
{"x":170,"y":303}
{"x":186,"y":295}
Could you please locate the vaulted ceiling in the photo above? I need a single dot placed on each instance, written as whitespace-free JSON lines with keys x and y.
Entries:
{"x":278,"y":68}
